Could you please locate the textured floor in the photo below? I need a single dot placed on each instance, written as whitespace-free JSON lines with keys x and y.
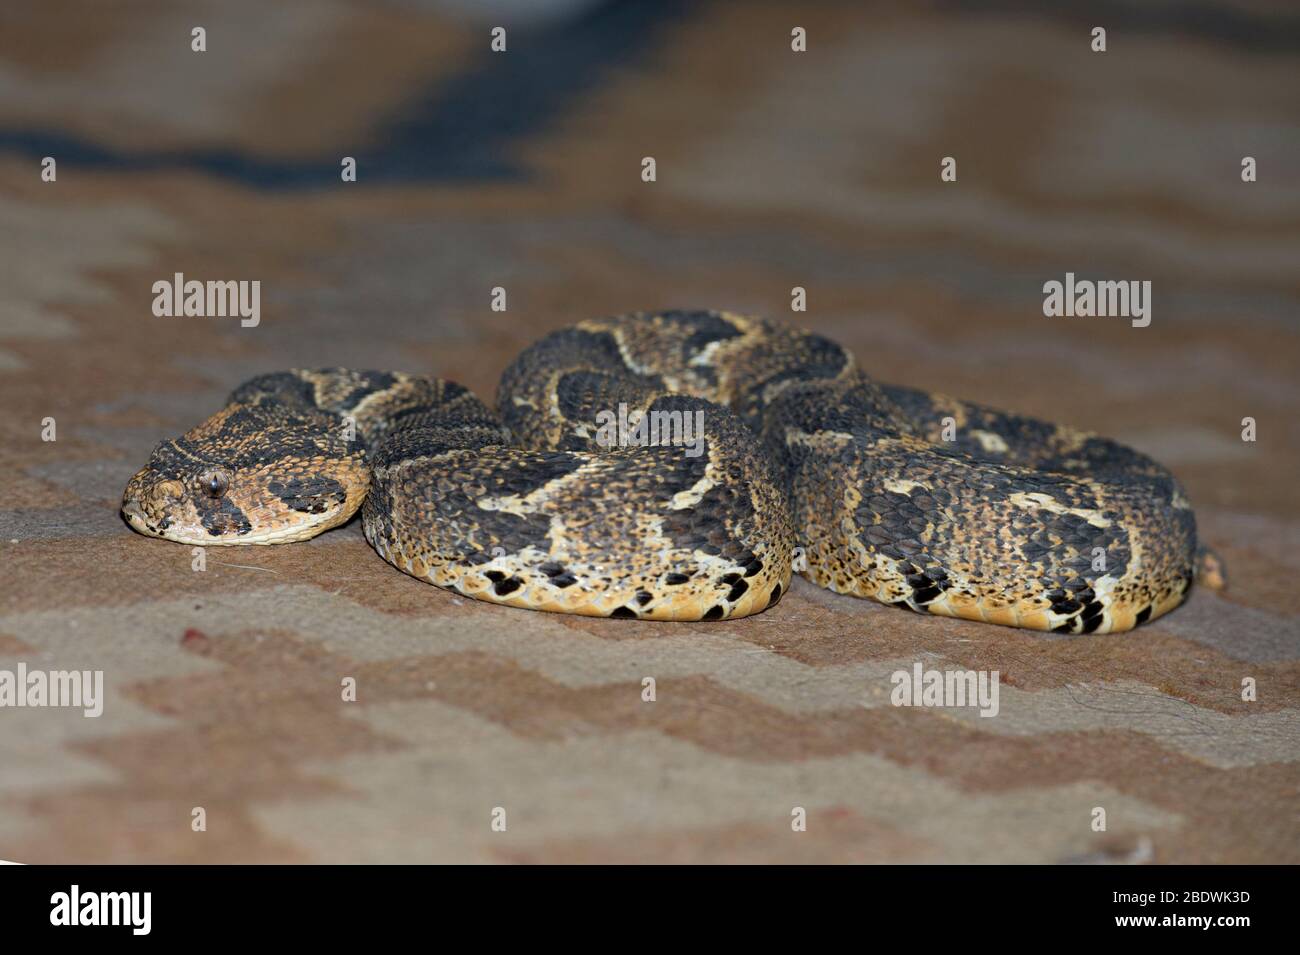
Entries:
{"x":522,"y":170}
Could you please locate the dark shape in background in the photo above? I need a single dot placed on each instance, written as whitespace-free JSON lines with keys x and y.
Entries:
{"x":457,"y":132}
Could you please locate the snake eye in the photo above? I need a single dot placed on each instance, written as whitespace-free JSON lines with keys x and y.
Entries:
{"x":214,"y":483}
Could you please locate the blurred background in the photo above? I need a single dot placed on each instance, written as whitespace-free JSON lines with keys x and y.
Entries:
{"x":522,"y":170}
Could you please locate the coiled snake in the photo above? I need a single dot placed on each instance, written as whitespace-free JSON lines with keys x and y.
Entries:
{"x":803,"y":464}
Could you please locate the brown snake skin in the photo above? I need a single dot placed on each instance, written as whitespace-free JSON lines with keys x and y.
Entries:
{"x":803,"y":464}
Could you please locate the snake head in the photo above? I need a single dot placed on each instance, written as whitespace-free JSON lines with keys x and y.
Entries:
{"x":242,"y":477}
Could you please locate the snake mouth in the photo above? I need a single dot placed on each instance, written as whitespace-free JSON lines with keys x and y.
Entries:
{"x":138,"y":521}
{"x":198,"y":535}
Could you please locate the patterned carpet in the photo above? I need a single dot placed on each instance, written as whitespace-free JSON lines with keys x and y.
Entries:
{"x":522,"y":170}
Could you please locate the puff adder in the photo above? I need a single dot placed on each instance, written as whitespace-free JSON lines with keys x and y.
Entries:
{"x":806,"y":465}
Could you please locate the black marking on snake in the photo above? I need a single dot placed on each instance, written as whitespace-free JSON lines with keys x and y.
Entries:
{"x":222,"y":517}
{"x":546,"y":467}
{"x":507,"y":586}
{"x":820,"y":358}
{"x":1066,"y":607}
{"x":367,"y":384}
{"x":708,"y":328}
{"x":703,"y":527}
{"x":580,"y":395}
{"x":623,"y":612}
{"x":455,"y":508}
{"x":595,"y":380}
{"x":683,"y":475}
{"x":309,"y":495}
{"x":416,"y":439}
{"x":599,"y":350}
{"x":172,"y":463}
{"x":925,"y":594}
{"x":281,"y":385}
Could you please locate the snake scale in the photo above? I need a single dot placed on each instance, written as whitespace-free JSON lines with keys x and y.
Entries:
{"x":805,"y":465}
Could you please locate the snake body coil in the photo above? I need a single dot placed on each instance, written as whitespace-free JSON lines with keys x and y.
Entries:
{"x":804,"y":464}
